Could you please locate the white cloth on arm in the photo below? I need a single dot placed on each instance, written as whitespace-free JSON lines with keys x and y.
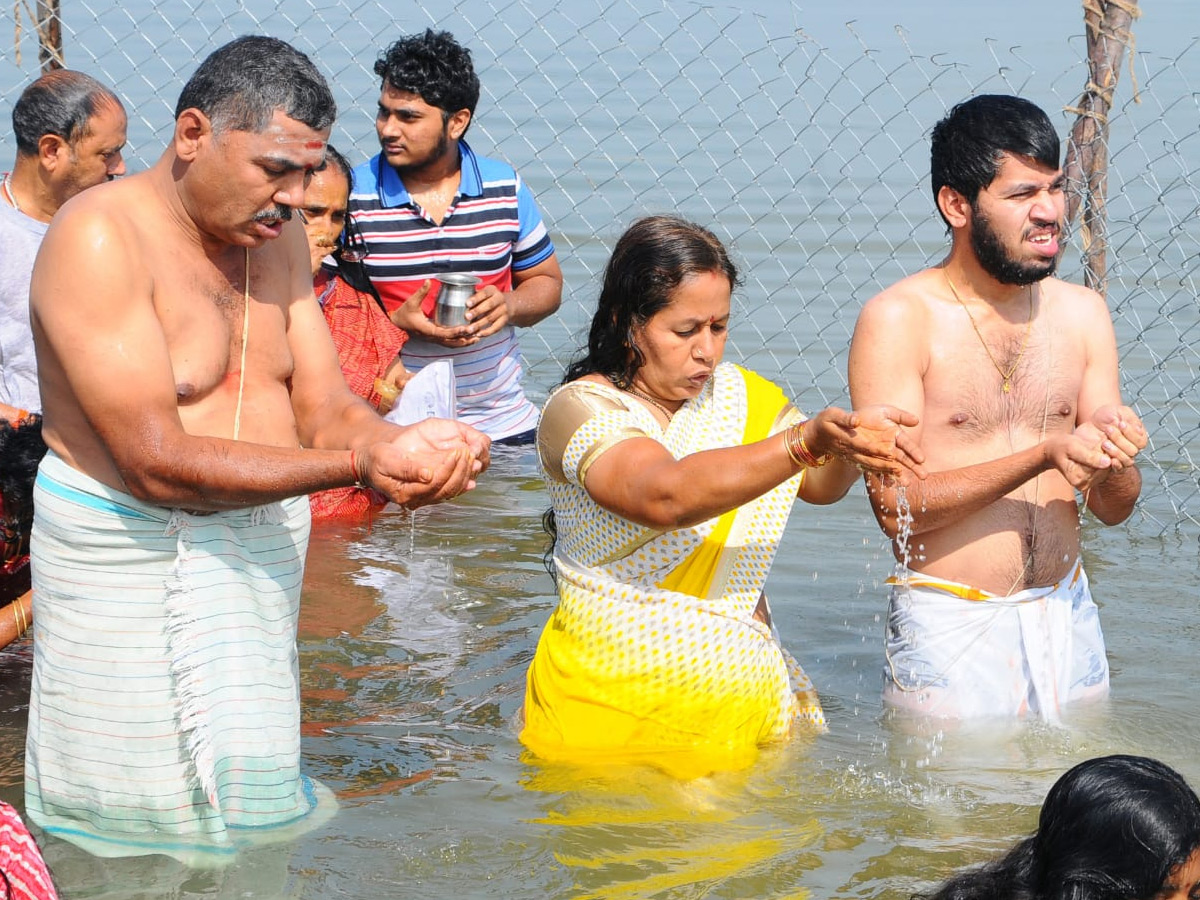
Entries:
{"x":429,"y":394}
{"x":165,"y":712}
{"x":954,"y":651}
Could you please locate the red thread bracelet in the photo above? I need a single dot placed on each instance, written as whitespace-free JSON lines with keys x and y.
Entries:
{"x":358,"y":482}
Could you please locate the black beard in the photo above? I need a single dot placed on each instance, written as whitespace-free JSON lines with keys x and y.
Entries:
{"x":995,"y":260}
{"x":438,"y":152}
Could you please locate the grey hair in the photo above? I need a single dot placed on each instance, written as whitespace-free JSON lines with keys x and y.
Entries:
{"x":241,"y":85}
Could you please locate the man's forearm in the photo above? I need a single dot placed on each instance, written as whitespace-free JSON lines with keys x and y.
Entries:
{"x":355,"y":424}
{"x":203,"y":473}
{"x":1112,"y":500}
{"x":950,"y":496}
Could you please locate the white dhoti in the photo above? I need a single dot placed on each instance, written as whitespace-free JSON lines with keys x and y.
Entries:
{"x":164,"y":714}
{"x":954,"y":651}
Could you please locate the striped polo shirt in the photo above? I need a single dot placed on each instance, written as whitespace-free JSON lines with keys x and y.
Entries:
{"x":492,"y":229}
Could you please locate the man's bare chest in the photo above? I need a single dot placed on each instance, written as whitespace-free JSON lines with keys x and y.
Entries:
{"x":974,"y":397}
{"x":216,"y":328}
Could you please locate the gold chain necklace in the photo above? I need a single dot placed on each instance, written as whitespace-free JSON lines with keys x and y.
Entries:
{"x":666,"y":412}
{"x":8,"y":194}
{"x":1006,"y":385}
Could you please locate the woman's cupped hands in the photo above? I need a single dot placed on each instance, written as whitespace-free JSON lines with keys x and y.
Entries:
{"x":874,"y":439}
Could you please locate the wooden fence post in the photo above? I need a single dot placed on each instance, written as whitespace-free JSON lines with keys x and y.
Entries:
{"x":49,"y":32}
{"x":1108,"y":33}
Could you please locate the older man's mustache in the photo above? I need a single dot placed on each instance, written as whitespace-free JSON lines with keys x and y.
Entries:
{"x":274,"y":214}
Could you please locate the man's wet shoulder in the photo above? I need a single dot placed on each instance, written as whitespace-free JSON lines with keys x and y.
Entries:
{"x":110,"y":208}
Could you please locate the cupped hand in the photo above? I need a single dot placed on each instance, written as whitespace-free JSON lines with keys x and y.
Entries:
{"x":873,"y":439}
{"x":441,"y":435}
{"x":1080,"y":456}
{"x":420,"y":479}
{"x":412,"y":319}
{"x":431,"y":461}
{"x":1124,"y":435}
{"x":487,"y":311}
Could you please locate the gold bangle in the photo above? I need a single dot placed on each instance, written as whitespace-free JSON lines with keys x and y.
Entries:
{"x":797,"y":448}
{"x":787,"y":445}
{"x":817,"y":461}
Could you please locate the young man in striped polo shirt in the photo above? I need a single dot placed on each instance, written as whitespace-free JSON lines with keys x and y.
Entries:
{"x":428,"y":206}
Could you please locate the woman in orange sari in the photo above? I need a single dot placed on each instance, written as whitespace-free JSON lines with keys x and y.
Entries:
{"x":368,"y":344}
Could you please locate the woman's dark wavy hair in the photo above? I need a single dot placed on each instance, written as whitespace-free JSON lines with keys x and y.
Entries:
{"x":1112,"y":828}
{"x":21,"y":451}
{"x":338,"y":160}
{"x":649,"y":262}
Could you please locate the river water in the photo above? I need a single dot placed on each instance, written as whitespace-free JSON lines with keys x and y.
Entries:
{"x":416,"y":631}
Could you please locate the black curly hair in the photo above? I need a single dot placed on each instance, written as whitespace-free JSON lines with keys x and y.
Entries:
{"x":1112,"y":828}
{"x":435,"y":67}
{"x":968,"y":144}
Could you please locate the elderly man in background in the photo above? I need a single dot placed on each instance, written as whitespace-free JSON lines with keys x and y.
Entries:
{"x":192,"y":397}
{"x":70,"y":130}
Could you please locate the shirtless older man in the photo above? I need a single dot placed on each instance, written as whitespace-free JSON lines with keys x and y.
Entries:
{"x":1013,"y":375}
{"x":192,"y":397}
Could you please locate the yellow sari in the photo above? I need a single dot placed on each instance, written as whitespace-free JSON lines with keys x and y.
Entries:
{"x":653,"y":651}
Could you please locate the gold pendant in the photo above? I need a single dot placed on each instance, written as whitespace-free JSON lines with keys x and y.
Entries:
{"x":1006,"y":386}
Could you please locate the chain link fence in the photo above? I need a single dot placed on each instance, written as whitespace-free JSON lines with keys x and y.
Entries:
{"x":806,"y":152}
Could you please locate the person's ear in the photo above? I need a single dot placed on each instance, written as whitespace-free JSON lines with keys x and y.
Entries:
{"x":456,"y":125}
{"x":955,"y":208}
{"x":53,"y":152}
{"x":192,"y":129}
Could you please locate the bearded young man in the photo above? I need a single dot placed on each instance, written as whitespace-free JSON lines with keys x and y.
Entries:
{"x":1013,"y":375}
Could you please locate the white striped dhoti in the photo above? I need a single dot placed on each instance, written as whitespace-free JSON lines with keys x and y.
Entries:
{"x":164,"y":715}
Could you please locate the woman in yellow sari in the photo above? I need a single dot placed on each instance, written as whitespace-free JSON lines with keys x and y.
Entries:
{"x":671,"y":477}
